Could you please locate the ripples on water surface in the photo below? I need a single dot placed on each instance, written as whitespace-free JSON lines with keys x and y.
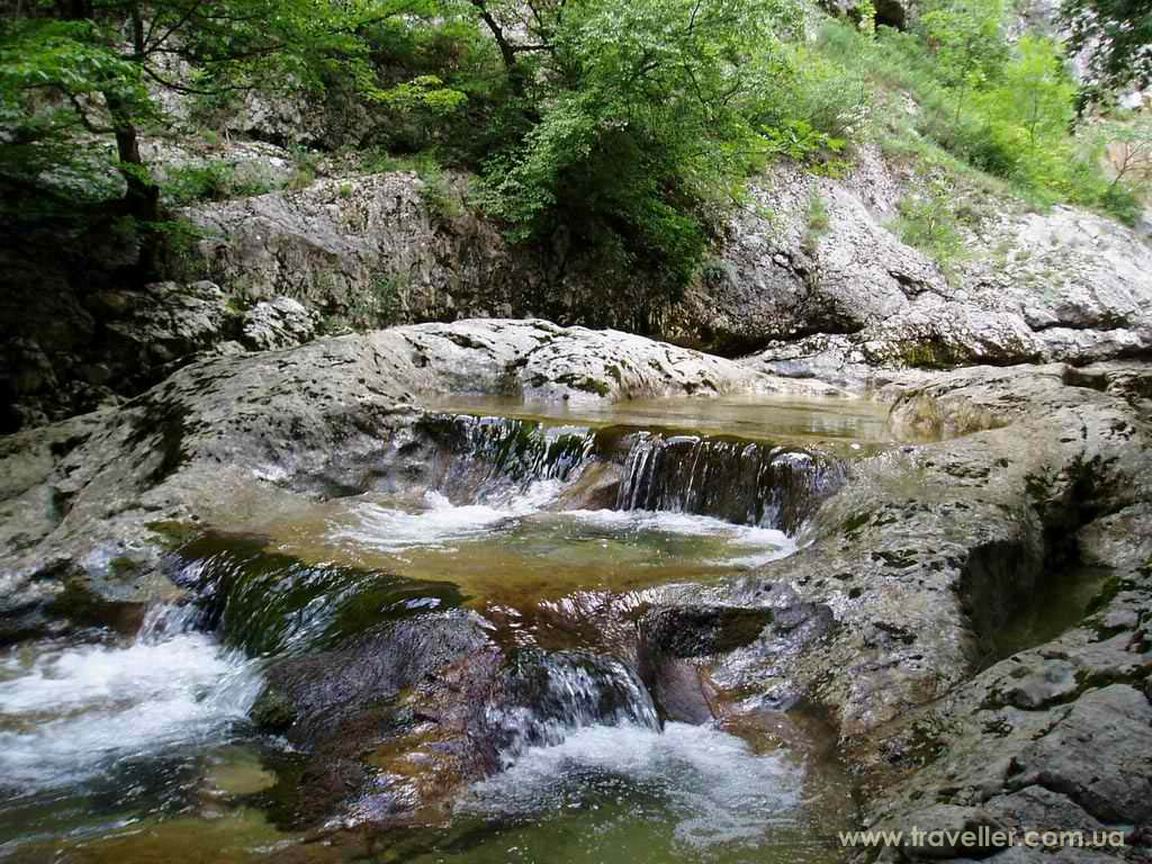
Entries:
{"x":140,"y":750}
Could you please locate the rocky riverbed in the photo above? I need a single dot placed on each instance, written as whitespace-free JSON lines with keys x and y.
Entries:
{"x":941,"y":626}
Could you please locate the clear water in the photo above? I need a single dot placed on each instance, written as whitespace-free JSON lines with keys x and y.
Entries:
{"x":857,"y":423}
{"x":114,"y":751}
{"x":518,"y":551}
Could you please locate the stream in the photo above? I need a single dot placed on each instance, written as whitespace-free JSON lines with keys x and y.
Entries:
{"x":545,"y":532}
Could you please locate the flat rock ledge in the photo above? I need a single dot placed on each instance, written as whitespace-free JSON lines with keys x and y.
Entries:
{"x":968,"y":687}
{"x":229,"y":436}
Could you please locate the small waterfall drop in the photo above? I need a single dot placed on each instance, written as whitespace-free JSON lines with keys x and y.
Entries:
{"x":492,"y":456}
{"x":69,"y":713}
{"x":741,"y":481}
{"x":549,"y":695}
{"x":744,"y":482}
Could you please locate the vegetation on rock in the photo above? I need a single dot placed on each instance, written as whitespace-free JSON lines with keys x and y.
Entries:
{"x":613,"y":136}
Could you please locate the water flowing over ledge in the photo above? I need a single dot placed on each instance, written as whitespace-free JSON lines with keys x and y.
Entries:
{"x":508,"y":554}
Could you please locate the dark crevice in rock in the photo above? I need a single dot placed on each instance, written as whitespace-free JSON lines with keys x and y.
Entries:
{"x":1034,"y":578}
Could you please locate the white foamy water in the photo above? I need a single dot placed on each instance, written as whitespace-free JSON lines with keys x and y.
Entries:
{"x":441,"y":522}
{"x":69,"y":713}
{"x":443,"y":525}
{"x":708,"y":783}
{"x":751,"y":545}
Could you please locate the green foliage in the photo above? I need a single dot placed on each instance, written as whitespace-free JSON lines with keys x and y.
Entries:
{"x":798,"y":141}
{"x":1118,"y":32}
{"x":214,"y":180}
{"x":50,"y":73}
{"x":645,"y":121}
{"x":612,"y":134}
{"x":1007,"y":110}
{"x":66,"y":70}
{"x":304,"y":170}
{"x":928,"y":221}
{"x":817,"y":222}
{"x":966,"y":43}
{"x":443,"y":201}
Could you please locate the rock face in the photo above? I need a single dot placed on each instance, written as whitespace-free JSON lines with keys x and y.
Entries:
{"x":280,"y":322}
{"x":813,"y":280}
{"x":822,"y":281}
{"x":369,"y":249}
{"x":823,"y":299}
{"x":232,"y":435}
{"x":955,"y":712}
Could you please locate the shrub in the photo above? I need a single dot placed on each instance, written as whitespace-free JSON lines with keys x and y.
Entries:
{"x":214,"y":180}
{"x":928,"y":222}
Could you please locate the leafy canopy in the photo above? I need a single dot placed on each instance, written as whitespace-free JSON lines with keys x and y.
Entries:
{"x":94,"y":67}
{"x":1118,"y":36}
{"x":645,"y":119}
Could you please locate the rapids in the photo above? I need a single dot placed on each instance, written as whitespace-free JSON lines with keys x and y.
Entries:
{"x":551,"y":530}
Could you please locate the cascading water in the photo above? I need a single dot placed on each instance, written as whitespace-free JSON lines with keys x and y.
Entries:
{"x":488,"y":456}
{"x":487,"y":523}
{"x":548,"y":695}
{"x":105,"y":703}
{"x":92,"y":723}
{"x":739,"y":481}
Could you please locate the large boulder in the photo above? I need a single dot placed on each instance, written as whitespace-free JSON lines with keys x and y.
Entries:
{"x":989,"y":659}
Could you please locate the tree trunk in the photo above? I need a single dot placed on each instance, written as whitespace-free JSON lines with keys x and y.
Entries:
{"x":507,"y":53}
{"x":143,"y":195}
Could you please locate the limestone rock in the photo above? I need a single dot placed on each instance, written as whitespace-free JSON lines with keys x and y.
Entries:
{"x":229,"y":436}
{"x":280,"y":322}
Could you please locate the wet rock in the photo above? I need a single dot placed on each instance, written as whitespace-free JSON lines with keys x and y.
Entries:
{"x":1098,"y":754}
{"x":926,"y":557}
{"x":312,"y":698}
{"x":233,"y":439}
{"x":952,"y":832}
{"x":697,"y":631}
{"x":1034,"y":808}
{"x":1054,"y":681}
{"x":682,"y":692}
{"x":404,"y":716}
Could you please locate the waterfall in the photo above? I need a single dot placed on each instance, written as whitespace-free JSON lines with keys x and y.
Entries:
{"x":71,"y":713}
{"x":737,"y":480}
{"x":271,"y":604}
{"x":487,"y":456}
{"x":745,"y":482}
{"x":547,"y":695}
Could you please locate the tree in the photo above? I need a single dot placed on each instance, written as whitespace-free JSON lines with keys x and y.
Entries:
{"x":965,"y":37}
{"x":75,"y":68}
{"x":643,"y":114}
{"x":1128,"y":145}
{"x":1117,"y":38}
